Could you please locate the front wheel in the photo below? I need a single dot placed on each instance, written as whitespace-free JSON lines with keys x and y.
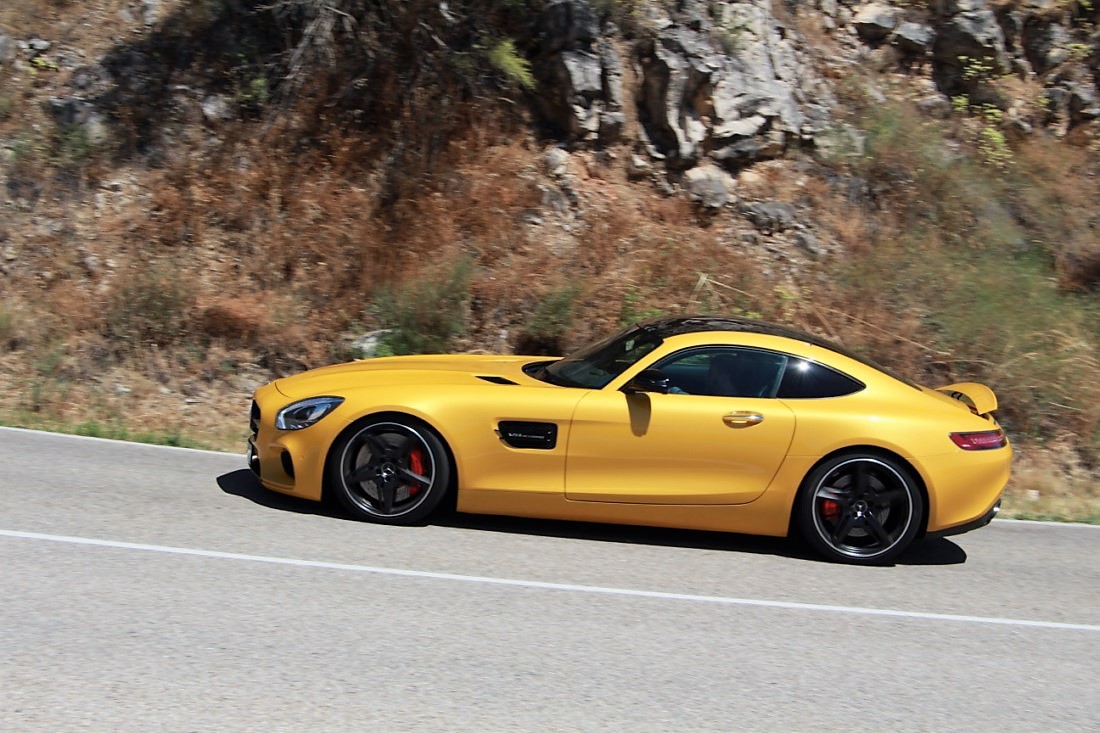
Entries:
{"x":392,"y":471}
{"x":863,"y":509}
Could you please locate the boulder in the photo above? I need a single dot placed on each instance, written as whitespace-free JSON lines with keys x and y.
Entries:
{"x":1082,"y":103}
{"x":875,"y":21}
{"x":709,"y":186}
{"x":770,"y":216}
{"x":579,"y":74}
{"x":970,"y":39}
{"x":566,"y":24}
{"x":914,"y":38}
{"x":1046,"y":44}
{"x":748,"y":103}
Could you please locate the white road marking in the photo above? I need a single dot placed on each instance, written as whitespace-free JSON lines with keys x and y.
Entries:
{"x":785,"y":605}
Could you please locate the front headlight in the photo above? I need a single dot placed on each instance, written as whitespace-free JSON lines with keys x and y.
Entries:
{"x":306,"y":412}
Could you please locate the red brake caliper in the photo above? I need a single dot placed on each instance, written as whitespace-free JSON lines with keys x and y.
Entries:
{"x":830,"y":509}
{"x":416,"y":465}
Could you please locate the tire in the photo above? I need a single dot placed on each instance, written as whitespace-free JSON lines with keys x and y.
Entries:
{"x":860,"y":508}
{"x":391,"y":470}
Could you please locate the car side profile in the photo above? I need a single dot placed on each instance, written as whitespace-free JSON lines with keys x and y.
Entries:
{"x":705,"y":423}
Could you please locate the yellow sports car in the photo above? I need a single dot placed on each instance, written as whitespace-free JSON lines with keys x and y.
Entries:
{"x":701,"y":423}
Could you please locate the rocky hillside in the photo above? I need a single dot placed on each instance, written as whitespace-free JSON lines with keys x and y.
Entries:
{"x":201,"y":195}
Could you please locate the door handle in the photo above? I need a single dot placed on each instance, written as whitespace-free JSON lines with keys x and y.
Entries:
{"x":742,"y":419}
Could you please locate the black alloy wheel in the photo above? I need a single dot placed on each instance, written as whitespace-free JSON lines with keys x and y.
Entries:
{"x":863,"y":509}
{"x":392,"y":471}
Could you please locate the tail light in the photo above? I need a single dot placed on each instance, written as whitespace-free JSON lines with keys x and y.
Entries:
{"x":983,"y":440}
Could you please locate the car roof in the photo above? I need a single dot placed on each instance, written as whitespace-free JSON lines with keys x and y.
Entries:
{"x":677,"y":325}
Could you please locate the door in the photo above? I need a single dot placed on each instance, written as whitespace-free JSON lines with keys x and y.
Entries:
{"x":717,"y":437}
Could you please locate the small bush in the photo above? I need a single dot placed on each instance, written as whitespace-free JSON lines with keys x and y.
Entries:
{"x":9,"y":333}
{"x":148,"y":310}
{"x":505,"y":59}
{"x":238,"y":320}
{"x":546,"y":328}
{"x":74,"y":147}
{"x":427,"y":312}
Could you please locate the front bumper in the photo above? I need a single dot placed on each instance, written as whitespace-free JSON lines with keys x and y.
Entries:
{"x":290,"y":462}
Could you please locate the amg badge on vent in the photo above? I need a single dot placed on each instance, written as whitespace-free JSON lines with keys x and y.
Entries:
{"x":518,"y":434}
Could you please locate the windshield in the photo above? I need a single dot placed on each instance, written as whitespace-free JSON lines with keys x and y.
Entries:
{"x":593,"y":367}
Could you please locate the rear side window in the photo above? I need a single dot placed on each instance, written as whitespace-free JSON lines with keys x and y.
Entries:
{"x":804,"y":379}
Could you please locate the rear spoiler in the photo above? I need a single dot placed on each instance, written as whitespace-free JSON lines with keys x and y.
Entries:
{"x":979,"y":398}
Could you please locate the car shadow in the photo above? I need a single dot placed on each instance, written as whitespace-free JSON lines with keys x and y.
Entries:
{"x":243,"y":483}
{"x":936,"y":551}
{"x":933,"y":551}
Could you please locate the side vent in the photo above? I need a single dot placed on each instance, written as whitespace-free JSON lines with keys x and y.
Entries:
{"x":536,"y":435}
{"x":497,"y":380}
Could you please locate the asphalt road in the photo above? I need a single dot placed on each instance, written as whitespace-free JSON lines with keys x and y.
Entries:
{"x":156,"y":589}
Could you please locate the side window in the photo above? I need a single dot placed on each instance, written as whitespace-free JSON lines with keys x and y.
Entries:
{"x":804,"y":379}
{"x":724,"y":372}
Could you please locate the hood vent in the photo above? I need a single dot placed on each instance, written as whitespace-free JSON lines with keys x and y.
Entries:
{"x":497,"y":380}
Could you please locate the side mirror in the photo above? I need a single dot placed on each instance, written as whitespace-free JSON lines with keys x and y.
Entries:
{"x":650,"y":380}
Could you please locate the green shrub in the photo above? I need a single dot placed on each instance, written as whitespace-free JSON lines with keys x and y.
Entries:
{"x":148,"y":310}
{"x":505,"y":59}
{"x":546,"y":327}
{"x":427,"y":312}
{"x":636,"y":308}
{"x":8,"y":330}
{"x":74,"y":148}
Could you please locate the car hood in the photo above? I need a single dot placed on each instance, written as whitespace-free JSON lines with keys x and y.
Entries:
{"x":464,"y":369}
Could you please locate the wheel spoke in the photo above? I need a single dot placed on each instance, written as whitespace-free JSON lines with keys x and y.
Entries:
{"x":862,"y":479}
{"x":401,"y":449}
{"x":414,"y":476}
{"x":889,"y":496}
{"x":871,"y":521}
{"x":831,"y":492}
{"x":388,"y":491}
{"x":844,"y":527}
{"x":377,"y":447}
{"x":360,"y":474}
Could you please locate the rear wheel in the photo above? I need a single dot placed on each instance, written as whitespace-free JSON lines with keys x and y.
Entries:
{"x":393,"y":471}
{"x":860,"y":508}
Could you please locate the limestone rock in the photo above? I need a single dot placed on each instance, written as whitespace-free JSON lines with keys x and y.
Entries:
{"x":709,"y":186}
{"x":745,"y":99}
{"x":914,"y":38}
{"x":579,"y":74}
{"x":875,"y":21}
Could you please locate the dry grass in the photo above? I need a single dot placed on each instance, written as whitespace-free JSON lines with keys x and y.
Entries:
{"x":1057,"y":197}
{"x":1050,"y":482}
